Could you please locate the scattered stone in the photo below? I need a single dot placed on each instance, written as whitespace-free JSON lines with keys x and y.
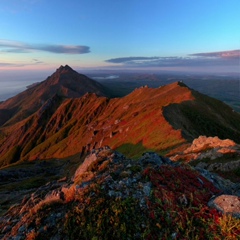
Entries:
{"x":227,"y":204}
{"x":183,"y":200}
{"x":225,"y":185}
{"x":223,"y":167}
{"x":152,"y":158}
{"x":64,"y":179}
{"x":147,"y":189}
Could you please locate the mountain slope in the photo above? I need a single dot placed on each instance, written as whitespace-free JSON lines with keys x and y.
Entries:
{"x":134,"y":123}
{"x":92,"y":121}
{"x":65,"y":82}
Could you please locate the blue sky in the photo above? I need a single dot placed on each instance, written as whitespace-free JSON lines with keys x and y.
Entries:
{"x":122,"y":34}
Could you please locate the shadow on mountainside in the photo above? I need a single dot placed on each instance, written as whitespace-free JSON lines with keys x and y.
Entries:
{"x":20,"y":180}
{"x":204,"y":116}
{"x":132,"y":150}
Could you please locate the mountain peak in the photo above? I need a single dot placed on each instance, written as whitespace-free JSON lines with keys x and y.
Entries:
{"x":64,"y":69}
{"x":64,"y":82}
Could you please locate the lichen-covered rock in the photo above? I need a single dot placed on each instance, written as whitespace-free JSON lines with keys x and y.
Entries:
{"x":153,"y":158}
{"x":225,"y":185}
{"x":227,"y":204}
{"x":206,"y":147}
{"x":94,"y":161}
{"x":202,"y":142}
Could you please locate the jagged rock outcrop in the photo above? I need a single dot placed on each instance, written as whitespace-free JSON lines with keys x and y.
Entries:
{"x":202,"y":143}
{"x":111,"y":196}
{"x":207,"y":147}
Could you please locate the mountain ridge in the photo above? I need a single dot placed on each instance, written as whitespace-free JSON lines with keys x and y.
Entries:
{"x":138,"y":121}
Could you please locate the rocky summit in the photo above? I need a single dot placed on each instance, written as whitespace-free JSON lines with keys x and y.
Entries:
{"x":113,"y":197}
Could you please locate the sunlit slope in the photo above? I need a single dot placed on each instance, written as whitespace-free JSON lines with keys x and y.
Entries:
{"x":154,"y":119}
{"x":90,"y":121}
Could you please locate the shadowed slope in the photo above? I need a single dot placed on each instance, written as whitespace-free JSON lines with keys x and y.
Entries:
{"x":92,"y":121}
{"x":204,"y":116}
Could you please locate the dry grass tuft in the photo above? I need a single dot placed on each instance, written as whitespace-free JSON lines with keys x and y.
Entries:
{"x":31,"y":235}
{"x":48,"y":201}
{"x":230,"y":227}
{"x":69,"y":193}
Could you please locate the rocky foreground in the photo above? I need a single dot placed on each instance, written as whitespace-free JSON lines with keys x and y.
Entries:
{"x":112,"y":197}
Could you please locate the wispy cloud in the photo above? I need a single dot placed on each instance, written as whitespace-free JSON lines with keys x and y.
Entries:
{"x":130,"y":59}
{"x":8,"y":46}
{"x":224,"y":54}
{"x":36,"y":61}
{"x":224,"y":58}
{"x":4,"y":65}
{"x":21,"y":64}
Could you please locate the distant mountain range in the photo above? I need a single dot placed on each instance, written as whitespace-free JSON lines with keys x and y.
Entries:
{"x":69,"y":113}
